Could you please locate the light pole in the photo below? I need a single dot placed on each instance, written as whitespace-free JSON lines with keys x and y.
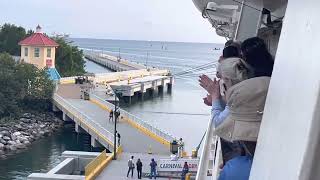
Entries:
{"x":116,"y":115}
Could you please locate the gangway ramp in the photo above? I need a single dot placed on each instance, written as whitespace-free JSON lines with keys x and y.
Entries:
{"x":132,"y":140}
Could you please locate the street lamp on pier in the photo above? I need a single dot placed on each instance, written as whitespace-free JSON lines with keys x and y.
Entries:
{"x":116,"y":115}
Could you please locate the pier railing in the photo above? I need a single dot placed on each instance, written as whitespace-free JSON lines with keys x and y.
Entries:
{"x":118,"y":76}
{"x":91,"y":170}
{"x":142,"y":124}
{"x":67,"y":80}
{"x":85,"y":120}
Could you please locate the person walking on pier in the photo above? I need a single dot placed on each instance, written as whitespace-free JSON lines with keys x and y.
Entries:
{"x":153,"y":166}
{"x":139,"y":168}
{"x":111,"y":116}
{"x":185,"y":170}
{"x":180,"y":147}
{"x":119,"y":137}
{"x":130,"y":166}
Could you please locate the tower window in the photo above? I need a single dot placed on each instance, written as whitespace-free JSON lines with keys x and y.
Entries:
{"x":26,"y":51}
{"x":48,"y":52}
{"x":36,"y":52}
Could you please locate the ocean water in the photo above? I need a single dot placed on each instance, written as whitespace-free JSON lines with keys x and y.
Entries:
{"x":175,"y":56}
{"x":43,"y":154}
{"x":181,"y":113}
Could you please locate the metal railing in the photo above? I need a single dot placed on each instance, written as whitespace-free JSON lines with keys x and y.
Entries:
{"x":155,"y":130}
{"x":210,"y":157}
{"x":99,"y":130}
{"x":92,"y":166}
{"x":67,"y":80}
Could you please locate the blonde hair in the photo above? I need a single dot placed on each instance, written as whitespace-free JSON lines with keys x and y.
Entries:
{"x":234,"y":69}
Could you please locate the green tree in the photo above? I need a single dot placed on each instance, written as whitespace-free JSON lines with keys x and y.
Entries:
{"x":69,"y":58}
{"x":23,"y":87}
{"x":10,"y":89}
{"x":10,"y":35}
{"x":37,"y":88}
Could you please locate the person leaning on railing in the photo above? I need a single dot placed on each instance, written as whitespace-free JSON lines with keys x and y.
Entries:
{"x":258,"y":58}
{"x":232,"y":71}
{"x":246,"y":102}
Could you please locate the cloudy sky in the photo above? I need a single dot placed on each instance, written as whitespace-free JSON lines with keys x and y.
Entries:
{"x":162,"y":20}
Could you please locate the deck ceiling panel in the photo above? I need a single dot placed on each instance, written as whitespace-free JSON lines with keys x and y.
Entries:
{"x":272,"y":5}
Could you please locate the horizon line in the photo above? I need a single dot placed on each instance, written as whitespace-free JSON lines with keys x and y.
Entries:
{"x":144,"y":40}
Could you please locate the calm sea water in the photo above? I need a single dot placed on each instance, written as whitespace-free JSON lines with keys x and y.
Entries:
{"x":182,"y":113}
{"x":44,"y":154}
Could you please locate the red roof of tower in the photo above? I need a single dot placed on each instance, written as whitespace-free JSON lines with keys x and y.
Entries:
{"x":38,"y":39}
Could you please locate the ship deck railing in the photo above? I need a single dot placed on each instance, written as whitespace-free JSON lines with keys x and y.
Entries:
{"x":211,"y":156}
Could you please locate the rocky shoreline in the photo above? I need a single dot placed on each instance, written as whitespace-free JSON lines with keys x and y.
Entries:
{"x":20,"y":133}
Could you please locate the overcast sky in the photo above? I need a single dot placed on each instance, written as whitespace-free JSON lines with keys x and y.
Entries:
{"x":162,"y":20}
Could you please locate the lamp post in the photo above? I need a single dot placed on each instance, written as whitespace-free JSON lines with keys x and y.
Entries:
{"x":116,"y":115}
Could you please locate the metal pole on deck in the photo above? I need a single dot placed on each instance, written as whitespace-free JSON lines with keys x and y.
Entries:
{"x":115,"y":116}
{"x":115,"y":127}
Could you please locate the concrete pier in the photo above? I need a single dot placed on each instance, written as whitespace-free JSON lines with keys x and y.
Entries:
{"x":150,"y":84}
{"x":91,"y":116}
{"x":71,"y":168}
{"x":112,"y":62}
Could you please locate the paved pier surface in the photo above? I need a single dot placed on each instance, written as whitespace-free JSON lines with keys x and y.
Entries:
{"x":138,"y":137}
{"x":132,"y":139}
{"x":71,"y":91}
{"x":117,"y":170}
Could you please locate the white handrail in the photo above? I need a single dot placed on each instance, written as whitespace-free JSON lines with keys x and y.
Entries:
{"x":159,"y":132}
{"x":210,"y":157}
{"x":77,"y":113}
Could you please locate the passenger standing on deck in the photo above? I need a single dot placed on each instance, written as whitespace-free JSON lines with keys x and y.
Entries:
{"x":180,"y":147}
{"x":139,"y":168}
{"x":246,"y":102}
{"x":111,"y":116}
{"x":130,"y":166}
{"x":231,"y":50}
{"x":153,"y":169}
{"x":185,"y":170}
{"x":232,"y":71}
{"x":255,"y":52}
{"x":247,"y":99}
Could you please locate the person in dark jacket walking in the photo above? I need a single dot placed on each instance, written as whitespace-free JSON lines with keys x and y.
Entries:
{"x":139,"y":168}
{"x":153,"y":168}
{"x":119,"y":138}
{"x":111,"y":116}
{"x":185,"y":170}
